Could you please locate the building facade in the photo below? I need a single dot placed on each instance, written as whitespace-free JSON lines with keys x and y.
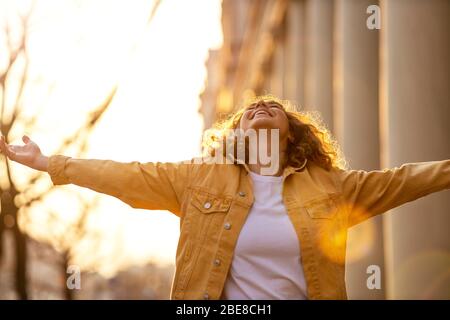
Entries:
{"x":385,"y":95}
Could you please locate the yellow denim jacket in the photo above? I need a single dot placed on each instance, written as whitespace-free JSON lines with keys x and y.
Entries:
{"x":213,"y":200}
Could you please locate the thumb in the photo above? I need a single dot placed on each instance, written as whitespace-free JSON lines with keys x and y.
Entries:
{"x":25,"y":139}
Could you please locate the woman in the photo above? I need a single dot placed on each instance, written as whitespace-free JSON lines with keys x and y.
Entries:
{"x":246,"y":235}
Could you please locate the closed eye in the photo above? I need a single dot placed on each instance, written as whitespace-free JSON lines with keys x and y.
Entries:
{"x":275,"y":106}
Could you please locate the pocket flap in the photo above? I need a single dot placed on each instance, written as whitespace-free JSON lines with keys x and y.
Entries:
{"x":322,"y":209}
{"x":209,"y":203}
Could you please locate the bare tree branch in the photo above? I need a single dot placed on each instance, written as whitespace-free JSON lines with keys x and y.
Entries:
{"x":76,"y":231}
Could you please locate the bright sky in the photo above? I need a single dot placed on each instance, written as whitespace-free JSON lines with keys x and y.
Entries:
{"x":85,"y":46}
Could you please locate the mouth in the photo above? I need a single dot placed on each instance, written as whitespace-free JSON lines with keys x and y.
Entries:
{"x":261,"y":113}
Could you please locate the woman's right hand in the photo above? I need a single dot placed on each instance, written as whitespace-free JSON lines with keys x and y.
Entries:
{"x":29,"y":154}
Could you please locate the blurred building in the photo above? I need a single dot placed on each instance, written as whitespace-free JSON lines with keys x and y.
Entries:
{"x":385,"y":95}
{"x":147,"y":282}
{"x":44,"y":275}
{"x":46,"y":278}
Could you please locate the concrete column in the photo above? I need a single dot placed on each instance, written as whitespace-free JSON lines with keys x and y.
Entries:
{"x":319,"y":58}
{"x":295,"y":53}
{"x":356,"y":128}
{"x":276,"y":81}
{"x":415,"y":101}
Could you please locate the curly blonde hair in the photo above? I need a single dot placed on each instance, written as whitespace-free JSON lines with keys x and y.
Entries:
{"x":311,"y":139}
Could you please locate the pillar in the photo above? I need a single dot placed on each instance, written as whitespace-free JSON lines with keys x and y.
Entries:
{"x":415,"y":102}
{"x":356,"y":124}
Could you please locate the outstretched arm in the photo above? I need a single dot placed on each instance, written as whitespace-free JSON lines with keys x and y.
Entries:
{"x":141,"y":185}
{"x":375,"y":192}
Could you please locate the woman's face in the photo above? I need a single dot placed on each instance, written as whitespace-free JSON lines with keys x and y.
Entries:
{"x":265,"y":115}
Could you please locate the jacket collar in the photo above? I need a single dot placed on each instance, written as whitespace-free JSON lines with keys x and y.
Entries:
{"x":286,"y":172}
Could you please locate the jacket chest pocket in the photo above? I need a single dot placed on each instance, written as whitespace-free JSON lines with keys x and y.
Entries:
{"x":328,"y":232}
{"x":207,"y":211}
{"x":322,"y":208}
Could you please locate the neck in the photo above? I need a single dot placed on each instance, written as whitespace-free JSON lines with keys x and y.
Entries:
{"x":273,"y":162}
{"x":258,"y":168}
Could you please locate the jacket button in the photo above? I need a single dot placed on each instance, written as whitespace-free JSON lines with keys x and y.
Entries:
{"x":207,"y":205}
{"x":227,"y":226}
{"x":206,"y":296}
{"x":217,"y":262}
{"x":242,"y":193}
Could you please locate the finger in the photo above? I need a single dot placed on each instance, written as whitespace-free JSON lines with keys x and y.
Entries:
{"x":11,"y":151}
{"x":2,"y":145}
{"x":5,"y":148}
{"x":3,"y":142}
{"x":26,"y":139}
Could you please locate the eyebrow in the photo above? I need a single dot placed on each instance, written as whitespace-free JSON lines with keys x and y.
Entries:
{"x":268,"y":102}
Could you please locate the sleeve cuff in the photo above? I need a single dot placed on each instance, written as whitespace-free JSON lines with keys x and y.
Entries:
{"x":56,"y":165}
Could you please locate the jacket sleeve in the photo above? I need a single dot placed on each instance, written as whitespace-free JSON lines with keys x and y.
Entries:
{"x":371,"y":193}
{"x":155,"y":186}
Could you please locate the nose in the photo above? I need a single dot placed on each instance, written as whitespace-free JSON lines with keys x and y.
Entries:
{"x":261,"y":103}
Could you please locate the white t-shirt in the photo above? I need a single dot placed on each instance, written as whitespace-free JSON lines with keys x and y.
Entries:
{"x":266,"y":262}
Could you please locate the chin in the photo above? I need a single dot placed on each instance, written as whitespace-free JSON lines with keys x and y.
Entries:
{"x":263,"y":123}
